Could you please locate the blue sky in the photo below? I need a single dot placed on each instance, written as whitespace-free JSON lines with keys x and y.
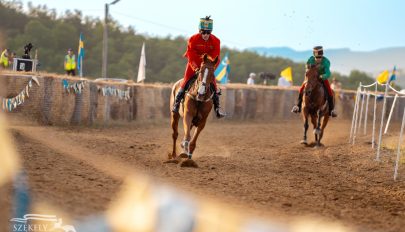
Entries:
{"x":361,"y":25}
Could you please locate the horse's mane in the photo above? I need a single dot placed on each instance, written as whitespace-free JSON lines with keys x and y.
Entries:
{"x":208,"y":57}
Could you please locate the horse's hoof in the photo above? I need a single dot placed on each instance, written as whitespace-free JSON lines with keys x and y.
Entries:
{"x":189,"y":163}
{"x":183,"y":155}
{"x":170,"y":156}
{"x":171,"y":161}
{"x":318,"y":145}
{"x":304,"y":142}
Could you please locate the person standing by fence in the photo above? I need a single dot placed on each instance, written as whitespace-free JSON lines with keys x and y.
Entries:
{"x":70,"y":63}
{"x":4,"y":62}
{"x":251,"y":79}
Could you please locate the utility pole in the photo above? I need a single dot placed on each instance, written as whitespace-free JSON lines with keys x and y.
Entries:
{"x":105,"y":40}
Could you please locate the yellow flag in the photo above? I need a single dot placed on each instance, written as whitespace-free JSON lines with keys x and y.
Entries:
{"x":383,"y":77}
{"x":287,"y":74}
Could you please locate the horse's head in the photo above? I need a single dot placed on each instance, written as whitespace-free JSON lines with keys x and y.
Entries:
{"x":205,"y":77}
{"x":312,"y":79}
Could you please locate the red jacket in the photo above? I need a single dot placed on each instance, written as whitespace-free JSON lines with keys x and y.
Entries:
{"x":196,"y":47}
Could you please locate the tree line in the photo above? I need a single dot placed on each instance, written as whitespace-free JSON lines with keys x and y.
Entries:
{"x":52,"y":35}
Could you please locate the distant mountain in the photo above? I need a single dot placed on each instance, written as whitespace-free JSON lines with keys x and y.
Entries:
{"x":344,"y":60}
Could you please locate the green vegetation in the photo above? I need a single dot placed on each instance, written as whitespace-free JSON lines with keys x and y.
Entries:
{"x":53,"y":35}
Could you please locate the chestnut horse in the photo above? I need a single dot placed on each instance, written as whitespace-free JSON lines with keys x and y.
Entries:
{"x":315,"y":104}
{"x":194,"y":110}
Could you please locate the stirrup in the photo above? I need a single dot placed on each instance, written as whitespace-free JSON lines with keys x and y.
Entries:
{"x":295,"y":109}
{"x":219,"y":114}
{"x":333,"y":114}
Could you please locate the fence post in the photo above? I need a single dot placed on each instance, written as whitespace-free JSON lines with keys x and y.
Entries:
{"x":354,"y":115}
{"x":382,"y":122}
{"x":374,"y":115}
{"x":399,"y":147}
{"x":357,"y":115}
{"x":366,"y":114}
{"x":389,"y":116}
{"x":361,"y":110}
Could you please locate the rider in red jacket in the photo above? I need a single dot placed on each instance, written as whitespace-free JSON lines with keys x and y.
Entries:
{"x":201,"y":43}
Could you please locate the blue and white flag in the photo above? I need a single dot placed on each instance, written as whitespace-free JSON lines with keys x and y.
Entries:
{"x":223,"y":69}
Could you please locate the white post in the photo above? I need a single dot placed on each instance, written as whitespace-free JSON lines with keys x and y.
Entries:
{"x":366,"y":114}
{"x":354,"y":116}
{"x":357,"y":115}
{"x":389,"y":116}
{"x":399,"y":147}
{"x":361,"y":110}
{"x":374,"y":116}
{"x":382,"y":123}
{"x":81,"y":67}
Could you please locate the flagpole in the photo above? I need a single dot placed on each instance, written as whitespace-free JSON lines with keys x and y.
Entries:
{"x":81,"y":67}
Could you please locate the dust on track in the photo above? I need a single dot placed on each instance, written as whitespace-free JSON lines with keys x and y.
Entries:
{"x":256,"y":167}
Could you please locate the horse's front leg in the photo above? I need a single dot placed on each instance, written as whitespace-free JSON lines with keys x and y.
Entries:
{"x":304,"y":141}
{"x":193,"y":143}
{"x":318,"y":130}
{"x":188,"y":147}
{"x":324,"y":123}
{"x":187,"y":133}
{"x":313,"y":121}
{"x":175,"y":124}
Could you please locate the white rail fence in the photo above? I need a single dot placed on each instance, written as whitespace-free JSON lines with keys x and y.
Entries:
{"x":363,"y":94}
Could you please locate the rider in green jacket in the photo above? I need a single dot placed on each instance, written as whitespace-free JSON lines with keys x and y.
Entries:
{"x":323,"y":64}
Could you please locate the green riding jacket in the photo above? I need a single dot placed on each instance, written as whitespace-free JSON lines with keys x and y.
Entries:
{"x":324,"y":67}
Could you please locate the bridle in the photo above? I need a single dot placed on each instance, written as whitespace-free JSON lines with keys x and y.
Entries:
{"x":311,"y":84}
{"x":202,"y":86}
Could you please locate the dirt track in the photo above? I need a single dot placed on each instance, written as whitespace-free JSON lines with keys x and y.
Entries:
{"x":260,"y":167}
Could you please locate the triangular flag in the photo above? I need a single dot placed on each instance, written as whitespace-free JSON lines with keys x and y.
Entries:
{"x":287,"y":74}
{"x":383,"y":77}
{"x":34,"y":78}
{"x":142,"y":65}
{"x":393,"y":75}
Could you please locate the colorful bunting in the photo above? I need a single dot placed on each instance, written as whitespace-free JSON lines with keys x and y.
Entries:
{"x":76,"y":87}
{"x":112,"y":91}
{"x":9,"y":104}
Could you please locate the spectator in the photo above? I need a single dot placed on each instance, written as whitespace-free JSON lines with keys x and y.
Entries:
{"x":70,"y":63}
{"x":4,"y":59}
{"x":251,"y":79}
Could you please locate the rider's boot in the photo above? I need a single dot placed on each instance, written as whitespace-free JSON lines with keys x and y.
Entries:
{"x":297,"y":108}
{"x":331,"y":107}
{"x":177,"y":100}
{"x":215,"y":100}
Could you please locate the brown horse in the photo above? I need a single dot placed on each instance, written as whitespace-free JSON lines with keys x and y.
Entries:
{"x":315,"y":104}
{"x":194,"y":110}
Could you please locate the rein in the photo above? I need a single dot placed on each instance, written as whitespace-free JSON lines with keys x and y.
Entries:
{"x":201,"y":89}
{"x":194,"y":97}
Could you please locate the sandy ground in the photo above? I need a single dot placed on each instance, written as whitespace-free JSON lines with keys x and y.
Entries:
{"x":256,"y":167}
